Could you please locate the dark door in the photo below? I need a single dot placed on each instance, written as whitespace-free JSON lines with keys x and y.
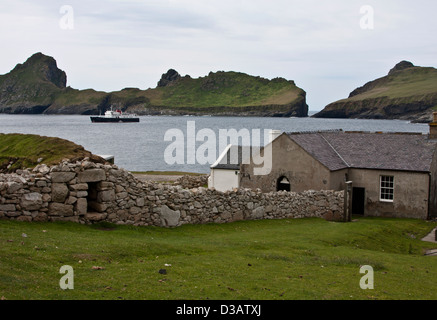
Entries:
{"x":358,"y":198}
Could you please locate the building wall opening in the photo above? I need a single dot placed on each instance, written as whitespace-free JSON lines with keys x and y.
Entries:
{"x":283,"y":184}
{"x":92,"y":196}
{"x":358,"y":201}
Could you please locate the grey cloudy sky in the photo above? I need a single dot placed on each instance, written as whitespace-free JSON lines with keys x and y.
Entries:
{"x":319,"y":44}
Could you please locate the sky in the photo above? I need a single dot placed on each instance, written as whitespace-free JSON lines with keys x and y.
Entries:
{"x":328,"y":48}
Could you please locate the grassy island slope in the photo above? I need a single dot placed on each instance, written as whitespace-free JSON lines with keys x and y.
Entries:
{"x":39,"y":86}
{"x":408,"y":92}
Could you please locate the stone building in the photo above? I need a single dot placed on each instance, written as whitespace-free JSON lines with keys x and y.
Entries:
{"x":392,"y":174}
{"x":225,"y":172}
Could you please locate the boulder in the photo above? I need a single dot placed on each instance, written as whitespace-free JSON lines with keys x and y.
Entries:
{"x":82,"y":194}
{"x":106,"y":196}
{"x":7,"y":207}
{"x":14,"y":186}
{"x":42,"y":168}
{"x":258,"y":213}
{"x":62,"y":177}
{"x":104,"y":185}
{"x":79,"y":187}
{"x":59,"y":209}
{"x":169,"y":218}
{"x":24,"y":218}
{"x":59,"y":192}
{"x":99,"y":207}
{"x":92,"y":175}
{"x":40,"y":217}
{"x":140,"y":202}
{"x":95,"y":217}
{"x":31,"y":201}
{"x":81,"y":206}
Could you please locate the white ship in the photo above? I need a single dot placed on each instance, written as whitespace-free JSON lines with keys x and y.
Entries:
{"x":116,"y":116}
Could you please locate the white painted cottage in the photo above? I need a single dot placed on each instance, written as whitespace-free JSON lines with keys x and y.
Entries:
{"x":225,"y":172}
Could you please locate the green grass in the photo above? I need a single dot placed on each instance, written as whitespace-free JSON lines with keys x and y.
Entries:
{"x":32,"y":84}
{"x":230,"y":89}
{"x":217,"y":90}
{"x":24,"y":150}
{"x":71,"y":96}
{"x":265,"y":260}
{"x":411,"y":82}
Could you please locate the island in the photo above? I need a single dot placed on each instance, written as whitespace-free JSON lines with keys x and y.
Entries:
{"x":408,"y":92}
{"x":38,"y":86}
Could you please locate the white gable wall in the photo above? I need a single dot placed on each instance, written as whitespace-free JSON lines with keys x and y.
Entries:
{"x":224,"y":180}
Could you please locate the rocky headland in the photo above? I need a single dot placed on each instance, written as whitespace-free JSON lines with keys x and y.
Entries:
{"x":39,"y":86}
{"x":407,"y":92}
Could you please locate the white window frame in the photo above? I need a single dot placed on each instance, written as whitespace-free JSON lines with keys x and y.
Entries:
{"x":386,"y":188}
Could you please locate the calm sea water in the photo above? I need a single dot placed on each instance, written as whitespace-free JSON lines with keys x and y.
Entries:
{"x":141,"y":146}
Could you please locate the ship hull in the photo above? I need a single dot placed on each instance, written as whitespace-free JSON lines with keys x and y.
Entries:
{"x":113,"y":120}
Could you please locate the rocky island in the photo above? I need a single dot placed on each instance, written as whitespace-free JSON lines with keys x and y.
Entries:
{"x":39,"y":86}
{"x":408,"y":92}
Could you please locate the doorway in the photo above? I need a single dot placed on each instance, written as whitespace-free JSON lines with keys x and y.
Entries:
{"x":283,"y":184}
{"x":358,"y":201}
{"x":92,"y":196}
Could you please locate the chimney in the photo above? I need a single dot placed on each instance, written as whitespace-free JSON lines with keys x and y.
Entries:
{"x":433,"y":127}
{"x":276,"y":133}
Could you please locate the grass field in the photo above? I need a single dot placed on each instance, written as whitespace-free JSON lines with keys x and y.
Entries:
{"x":412,"y":82}
{"x":24,"y":150}
{"x":230,"y":89}
{"x":264,"y":260}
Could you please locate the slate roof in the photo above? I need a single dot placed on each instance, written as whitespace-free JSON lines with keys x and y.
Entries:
{"x":233,"y":158}
{"x":385,"y":151}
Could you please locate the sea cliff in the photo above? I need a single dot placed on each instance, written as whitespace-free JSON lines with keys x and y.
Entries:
{"x":39,"y":86}
{"x":408,"y":92}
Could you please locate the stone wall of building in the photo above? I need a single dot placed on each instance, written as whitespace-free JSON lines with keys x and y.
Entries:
{"x":190,"y":182}
{"x":87,"y":192}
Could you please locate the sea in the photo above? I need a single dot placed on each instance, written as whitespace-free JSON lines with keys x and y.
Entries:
{"x":155,"y":142}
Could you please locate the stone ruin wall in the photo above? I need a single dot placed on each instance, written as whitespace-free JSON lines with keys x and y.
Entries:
{"x":88,"y":192}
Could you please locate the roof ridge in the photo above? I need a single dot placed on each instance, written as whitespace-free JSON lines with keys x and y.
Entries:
{"x":315,"y":131}
{"x":336,"y":152}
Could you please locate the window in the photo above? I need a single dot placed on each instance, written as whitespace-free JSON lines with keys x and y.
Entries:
{"x":283,"y":184}
{"x":387,"y":188}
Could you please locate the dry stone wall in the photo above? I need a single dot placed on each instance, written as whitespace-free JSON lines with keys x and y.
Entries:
{"x":88,"y":192}
{"x":191,"y":182}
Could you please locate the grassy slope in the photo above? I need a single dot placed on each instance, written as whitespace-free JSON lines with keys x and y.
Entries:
{"x":29,"y":81}
{"x":409,"y":94}
{"x":225,"y":89}
{"x":403,"y":84}
{"x":267,"y":260}
{"x":30,"y":87}
{"x":71,"y":96}
{"x":25,"y":149}
{"x":231,"y":89}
